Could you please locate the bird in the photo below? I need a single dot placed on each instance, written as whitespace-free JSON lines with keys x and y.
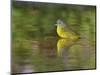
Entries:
{"x":64,"y":31}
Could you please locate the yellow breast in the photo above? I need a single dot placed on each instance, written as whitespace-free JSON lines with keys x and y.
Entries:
{"x":65,"y":33}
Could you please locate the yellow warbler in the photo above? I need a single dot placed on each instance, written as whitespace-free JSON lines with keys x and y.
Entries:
{"x":64,"y":32}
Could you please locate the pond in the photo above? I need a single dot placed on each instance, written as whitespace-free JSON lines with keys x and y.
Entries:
{"x":36,"y":46}
{"x":53,"y":54}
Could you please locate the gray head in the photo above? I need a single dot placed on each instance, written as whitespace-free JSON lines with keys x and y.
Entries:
{"x":60,"y":23}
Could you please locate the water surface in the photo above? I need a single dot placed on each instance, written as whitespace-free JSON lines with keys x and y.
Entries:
{"x":36,"y":47}
{"x":46,"y":55}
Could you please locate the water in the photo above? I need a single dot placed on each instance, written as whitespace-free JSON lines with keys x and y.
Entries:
{"x":46,"y":55}
{"x":36,"y":47}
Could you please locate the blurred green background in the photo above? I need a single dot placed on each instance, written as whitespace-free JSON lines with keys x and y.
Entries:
{"x":34,"y":36}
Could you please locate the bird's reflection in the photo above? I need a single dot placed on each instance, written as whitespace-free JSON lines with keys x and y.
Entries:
{"x":71,"y":53}
{"x":63,"y":45}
